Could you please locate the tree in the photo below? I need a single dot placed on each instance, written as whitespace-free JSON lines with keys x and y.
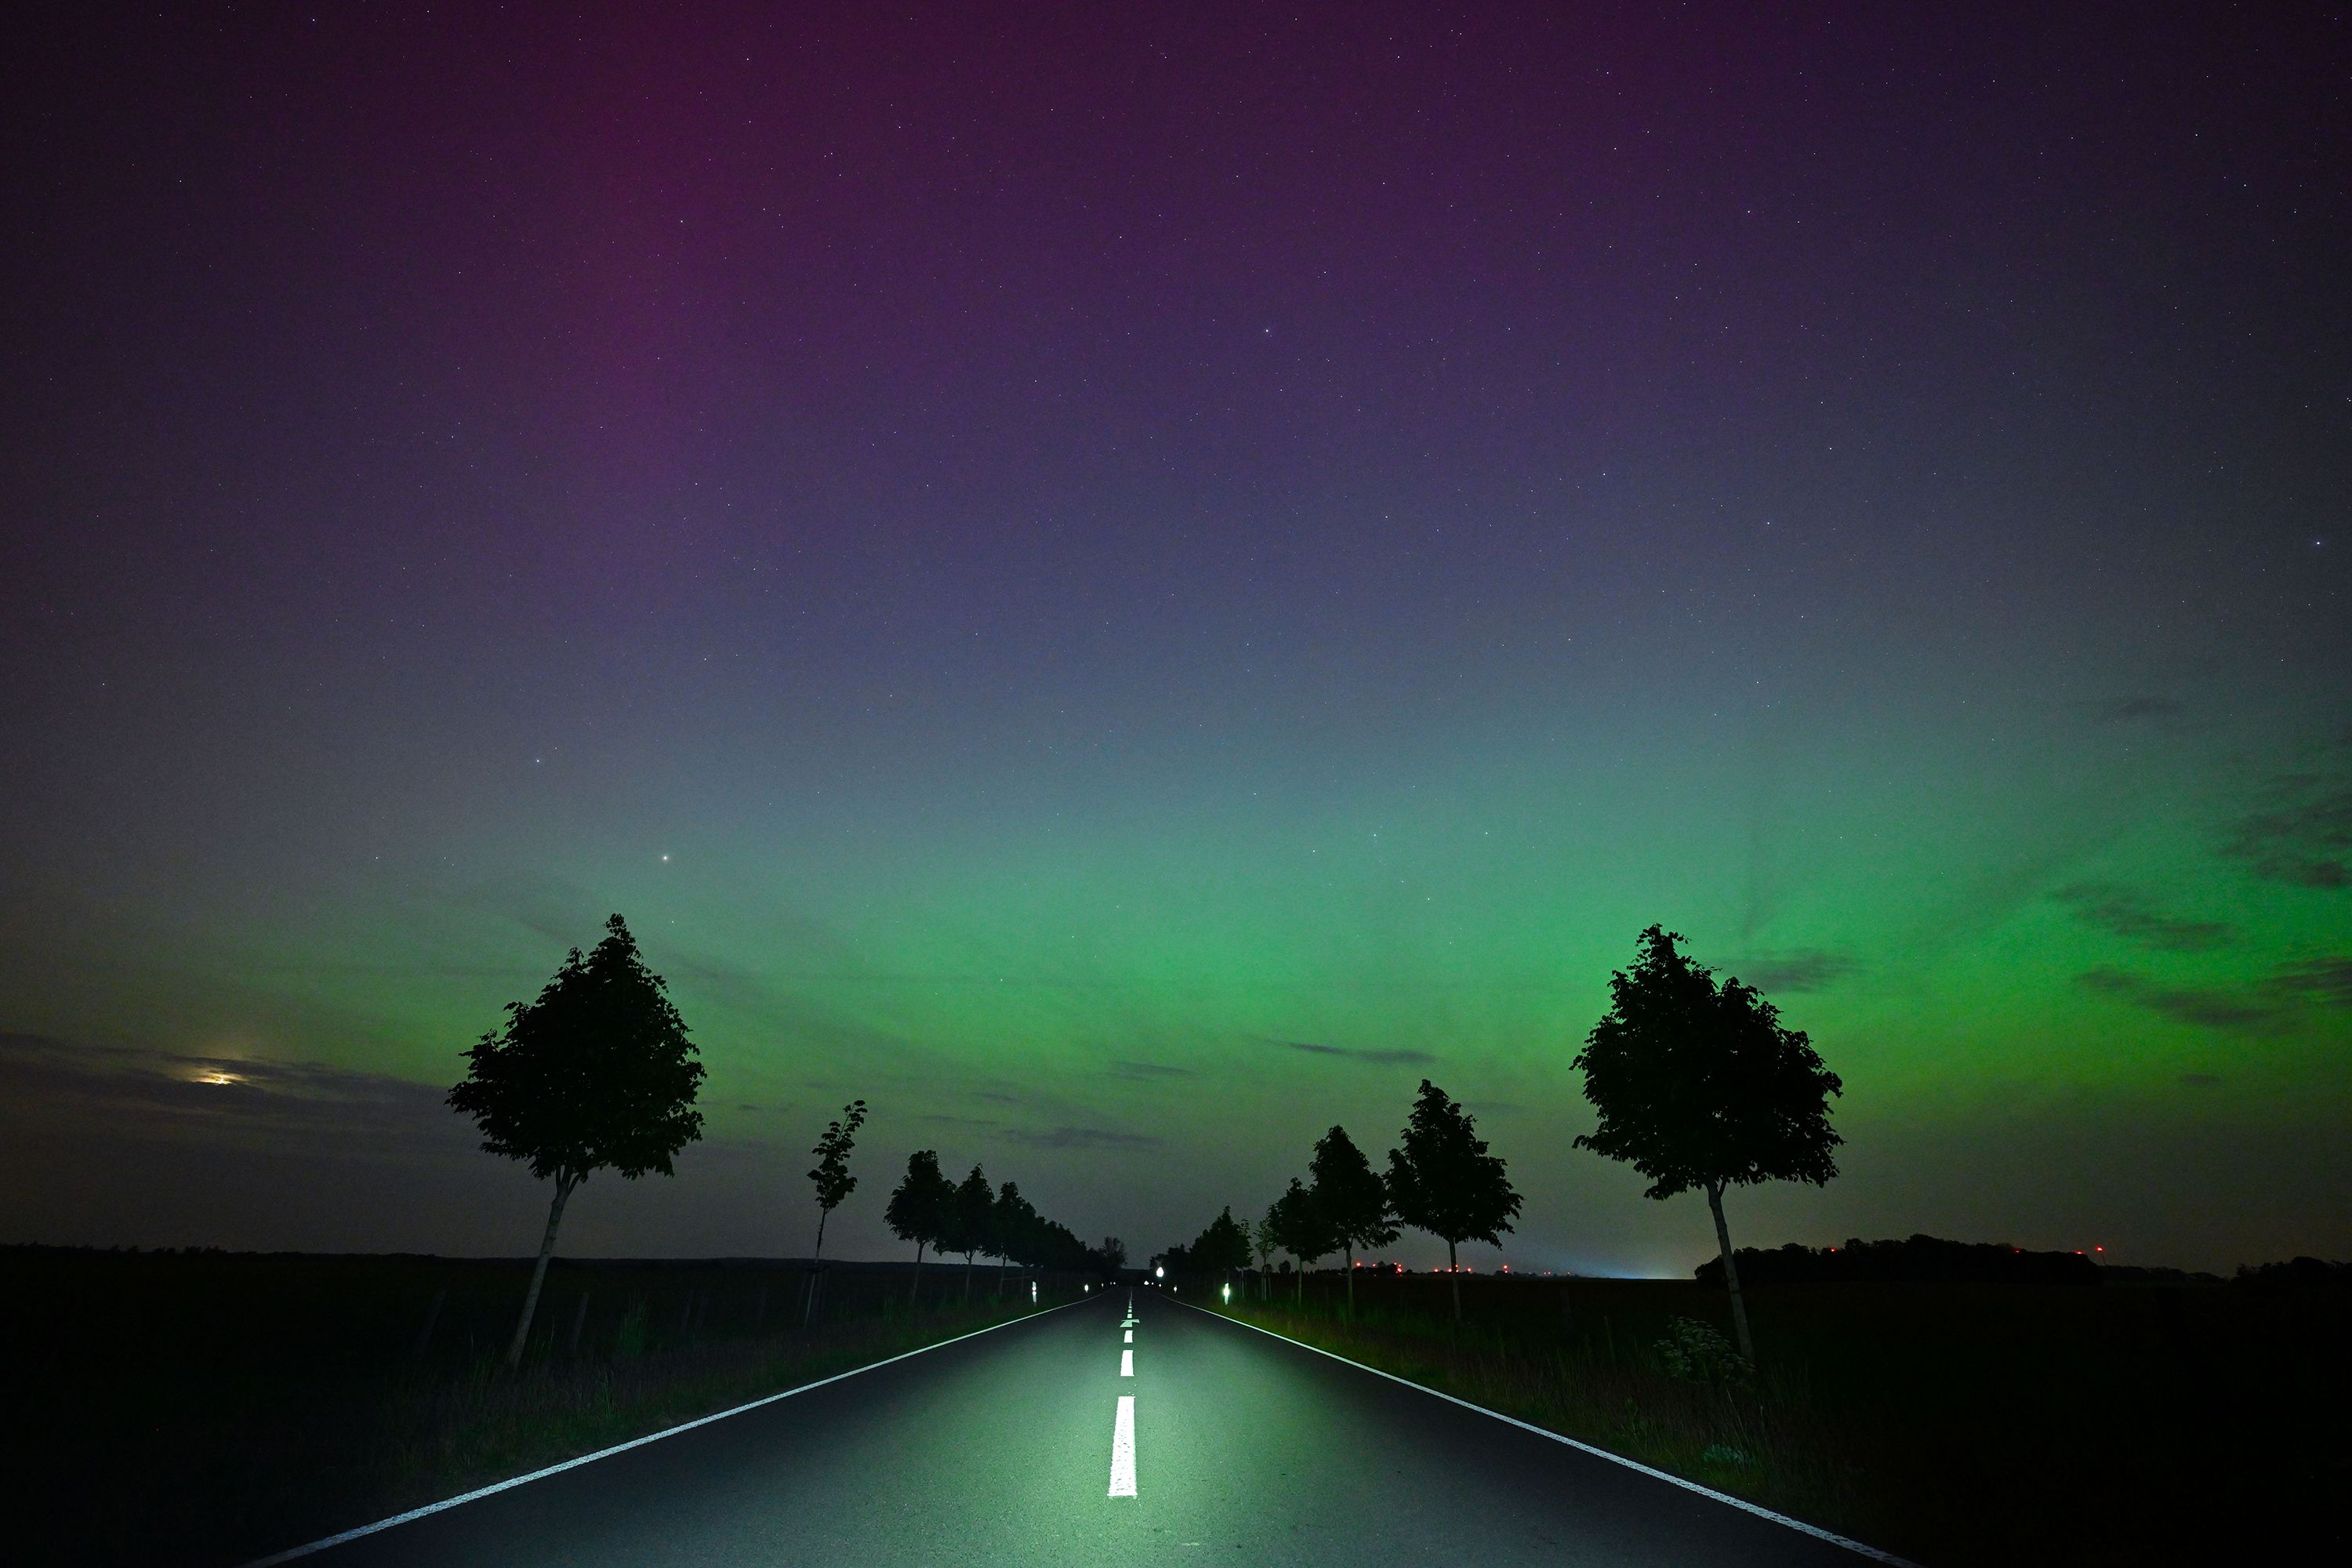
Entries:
{"x":1443,"y":1180}
{"x":922,"y":1209}
{"x":1222,"y":1248}
{"x":1352,"y":1200}
{"x":1111,"y":1255}
{"x":834,"y":1181}
{"x":1013,"y":1225}
{"x":1700,"y":1085}
{"x":596,"y":1072}
{"x":1301,"y":1229}
{"x":1265,"y":1242}
{"x":974,"y":1207}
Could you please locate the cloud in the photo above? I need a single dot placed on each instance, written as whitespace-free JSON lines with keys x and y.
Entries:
{"x":125,"y":1092}
{"x":2302,"y":835}
{"x":1148,"y":1071}
{"x":2122,"y":709}
{"x":2189,"y":1004}
{"x":1802,"y":969}
{"x":1371,"y":1057}
{"x":1079,"y":1138}
{"x":2135,"y":917}
{"x":2328,"y":980}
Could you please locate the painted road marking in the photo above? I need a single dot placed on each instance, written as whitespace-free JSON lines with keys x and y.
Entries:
{"x":1127,"y":1363}
{"x":1122,"y":1449}
{"x":323,"y":1542}
{"x":1130,"y":1338}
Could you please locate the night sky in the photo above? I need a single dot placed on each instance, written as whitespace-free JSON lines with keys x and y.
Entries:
{"x":1126,"y":587}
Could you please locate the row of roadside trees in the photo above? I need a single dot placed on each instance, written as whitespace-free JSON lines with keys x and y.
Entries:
{"x":972,"y":1219}
{"x":1696,"y":1082}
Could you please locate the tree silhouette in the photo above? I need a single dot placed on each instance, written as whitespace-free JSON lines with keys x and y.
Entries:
{"x":1698,"y":1085}
{"x":922,"y":1210}
{"x":1302,"y":1230}
{"x":1352,"y":1200}
{"x":1222,"y":1248}
{"x":1013,"y":1226}
{"x":596,"y":1072}
{"x":974,"y":1208}
{"x":1111,"y":1255}
{"x":834,"y":1182}
{"x":1265,"y":1242}
{"x":1443,"y":1180}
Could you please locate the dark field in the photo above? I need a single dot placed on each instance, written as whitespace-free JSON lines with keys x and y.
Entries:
{"x":1952,"y":1423}
{"x":207,"y":1408}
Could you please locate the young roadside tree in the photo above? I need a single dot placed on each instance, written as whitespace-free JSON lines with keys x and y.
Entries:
{"x":1301,"y":1230}
{"x":1221,"y":1248}
{"x":834,"y":1182}
{"x":1698,"y":1085}
{"x":974,"y":1209}
{"x":922,"y":1210}
{"x":596,"y":1072}
{"x":1264,"y":1244}
{"x":1443,"y":1180}
{"x":1352,"y":1200}
{"x":1012,"y":1225}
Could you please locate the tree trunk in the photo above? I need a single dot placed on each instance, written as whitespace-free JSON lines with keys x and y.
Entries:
{"x":808,"y":1314}
{"x":1730,"y":1272}
{"x":565,"y":1182}
{"x":1302,"y":1284}
{"x":424,"y":1335}
{"x":579,"y":1321}
{"x":1003,"y":1263}
{"x":915,"y":1296}
{"x":967,"y":1278}
{"x":1347,"y":1255}
{"x":1454,"y":1277}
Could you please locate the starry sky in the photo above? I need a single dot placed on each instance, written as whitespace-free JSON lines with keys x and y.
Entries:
{"x":1126,"y":584}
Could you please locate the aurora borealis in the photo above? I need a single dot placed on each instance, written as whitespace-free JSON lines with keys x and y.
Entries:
{"x":1127,"y":587}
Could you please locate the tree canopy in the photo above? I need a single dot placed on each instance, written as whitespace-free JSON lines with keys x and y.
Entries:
{"x":920,"y":1207}
{"x":596,"y":1073}
{"x":1700,"y":1085}
{"x":832,"y":1177}
{"x":1442,"y":1179}
{"x":1351,"y":1199}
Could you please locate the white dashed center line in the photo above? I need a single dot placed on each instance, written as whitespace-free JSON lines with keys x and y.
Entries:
{"x":1127,"y":1363}
{"x":1122,"y":1449}
{"x":1130,"y":1338}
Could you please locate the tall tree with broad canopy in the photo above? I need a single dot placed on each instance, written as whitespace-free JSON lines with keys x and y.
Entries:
{"x":1700,"y":1085}
{"x":1352,"y":1200}
{"x":596,"y":1072}
{"x":1302,"y":1230}
{"x":1444,"y":1182}
{"x":922,"y":1210}
{"x":974,"y":1212}
{"x":833,"y":1181}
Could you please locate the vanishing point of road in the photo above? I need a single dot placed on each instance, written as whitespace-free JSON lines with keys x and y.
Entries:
{"x":1126,"y":1429}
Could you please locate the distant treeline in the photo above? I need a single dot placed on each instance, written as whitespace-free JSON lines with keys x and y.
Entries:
{"x":1934,"y":1260}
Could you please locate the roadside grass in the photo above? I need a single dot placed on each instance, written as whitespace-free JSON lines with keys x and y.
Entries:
{"x":1952,"y":1424}
{"x":210,"y":1409}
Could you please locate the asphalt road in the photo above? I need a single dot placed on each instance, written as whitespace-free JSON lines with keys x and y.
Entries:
{"x":1003,"y":1449}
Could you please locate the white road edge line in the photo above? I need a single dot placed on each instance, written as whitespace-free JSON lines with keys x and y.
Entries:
{"x":1127,"y":1363}
{"x":325,"y":1541}
{"x":1122,"y":1448}
{"x":1741,"y":1503}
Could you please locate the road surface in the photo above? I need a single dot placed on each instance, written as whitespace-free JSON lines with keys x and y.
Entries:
{"x":1078,"y":1436}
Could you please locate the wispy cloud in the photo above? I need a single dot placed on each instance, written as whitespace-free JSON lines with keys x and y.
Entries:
{"x":1148,"y":1071}
{"x":2122,"y":709}
{"x":1079,"y":1138}
{"x":1359,"y":1054}
{"x":1801,"y":968}
{"x":2328,"y":980}
{"x":2136,"y":917}
{"x":2301,"y":835}
{"x":2189,"y":1005}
